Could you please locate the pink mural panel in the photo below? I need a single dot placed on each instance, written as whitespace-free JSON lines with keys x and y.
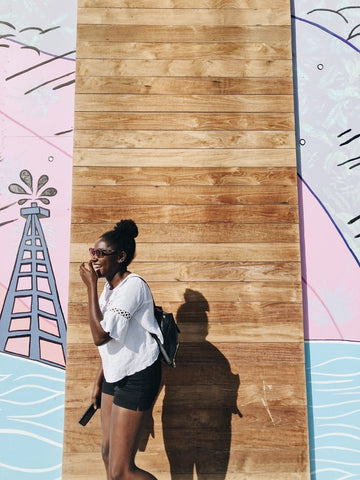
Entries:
{"x":37,"y":75}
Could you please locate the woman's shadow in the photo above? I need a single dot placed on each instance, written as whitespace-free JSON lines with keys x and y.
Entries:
{"x":200,"y":398}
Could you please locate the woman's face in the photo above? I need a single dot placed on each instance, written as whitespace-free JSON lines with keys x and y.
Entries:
{"x":106,"y":261}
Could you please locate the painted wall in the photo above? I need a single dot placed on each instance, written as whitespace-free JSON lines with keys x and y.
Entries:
{"x":327,"y":40}
{"x":37,"y":65}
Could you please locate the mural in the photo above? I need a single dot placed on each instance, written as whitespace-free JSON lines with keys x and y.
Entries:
{"x":327,"y":67}
{"x":37,"y":75}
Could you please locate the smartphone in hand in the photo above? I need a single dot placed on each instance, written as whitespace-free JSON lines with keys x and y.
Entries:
{"x":87,"y":415}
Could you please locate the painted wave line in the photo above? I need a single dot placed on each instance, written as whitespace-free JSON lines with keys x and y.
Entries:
{"x":46,"y":377}
{"x":336,"y":374}
{"x":337,"y":470}
{"x":37,"y":424}
{"x":336,"y":462}
{"x":334,"y":360}
{"x":338,"y":416}
{"x":335,"y":434}
{"x":327,"y":382}
{"x":340,"y":425}
{"x":35,"y":402}
{"x":37,"y":415}
{"x":345,"y":391}
{"x":30,"y":470}
{"x":29,"y":434}
{"x":29,"y":385}
{"x":337,"y":448}
{"x":348,"y":402}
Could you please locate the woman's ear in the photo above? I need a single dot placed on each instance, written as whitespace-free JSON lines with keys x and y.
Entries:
{"x":121,"y":257}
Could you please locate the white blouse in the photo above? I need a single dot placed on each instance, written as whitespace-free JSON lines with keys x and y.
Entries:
{"x":128,"y":317}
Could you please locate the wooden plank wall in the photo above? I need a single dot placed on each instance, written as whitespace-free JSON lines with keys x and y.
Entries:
{"x":184,"y":122}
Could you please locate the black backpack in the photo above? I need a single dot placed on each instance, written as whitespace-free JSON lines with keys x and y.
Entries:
{"x":170,"y":332}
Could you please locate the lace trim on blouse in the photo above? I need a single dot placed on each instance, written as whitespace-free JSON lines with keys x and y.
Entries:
{"x":121,"y":312}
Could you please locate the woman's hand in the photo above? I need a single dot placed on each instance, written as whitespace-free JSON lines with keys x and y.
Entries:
{"x":90,"y":278}
{"x":96,"y":396}
{"x":96,"y":393}
{"x":88,"y":274}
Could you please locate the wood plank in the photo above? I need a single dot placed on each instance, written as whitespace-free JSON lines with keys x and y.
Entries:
{"x":107,"y":120}
{"x":192,"y":213}
{"x":280,"y":385}
{"x":230,"y":106}
{"x":218,"y":252}
{"x":184,"y":195}
{"x":180,"y":425}
{"x":93,"y":472}
{"x":184,"y":176}
{"x":255,"y":321}
{"x":183,"y":85}
{"x":165,"y":4}
{"x":270,"y":50}
{"x":195,"y":233}
{"x":184,"y":17}
{"x":194,"y":401}
{"x":217,"y":291}
{"x":181,"y":271}
{"x":285,"y":471}
{"x":162,"y":33}
{"x":249,"y":332}
{"x":282,"y":397}
{"x":179,"y":68}
{"x":242,"y":355}
{"x":259,"y":314}
{"x":147,"y":157}
{"x":184,"y":139}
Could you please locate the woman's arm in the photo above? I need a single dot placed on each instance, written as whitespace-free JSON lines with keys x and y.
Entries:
{"x":90,"y":278}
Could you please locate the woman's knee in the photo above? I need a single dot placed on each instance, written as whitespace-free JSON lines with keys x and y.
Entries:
{"x":105,"y":449}
{"x":118,"y":474}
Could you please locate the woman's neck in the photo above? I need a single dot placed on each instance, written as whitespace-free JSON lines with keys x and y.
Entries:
{"x":118,"y":278}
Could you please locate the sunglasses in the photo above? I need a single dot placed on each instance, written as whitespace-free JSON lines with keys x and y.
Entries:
{"x":97,"y":252}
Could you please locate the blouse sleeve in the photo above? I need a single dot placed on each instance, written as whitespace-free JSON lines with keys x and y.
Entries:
{"x":119,"y":310}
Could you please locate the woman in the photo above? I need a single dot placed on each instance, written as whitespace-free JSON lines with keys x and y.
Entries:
{"x":121,"y":322}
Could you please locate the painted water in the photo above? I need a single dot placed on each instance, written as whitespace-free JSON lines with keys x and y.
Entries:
{"x":31,"y":419}
{"x":333,"y":383}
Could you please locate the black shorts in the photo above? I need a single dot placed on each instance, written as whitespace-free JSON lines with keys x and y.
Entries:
{"x":137,"y":391}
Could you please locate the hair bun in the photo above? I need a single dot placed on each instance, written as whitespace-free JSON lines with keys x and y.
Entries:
{"x":127,"y":227}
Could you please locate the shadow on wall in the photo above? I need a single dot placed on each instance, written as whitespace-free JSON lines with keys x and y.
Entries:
{"x":200,"y":398}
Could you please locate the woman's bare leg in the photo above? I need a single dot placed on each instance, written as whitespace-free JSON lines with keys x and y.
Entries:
{"x":106,"y":409}
{"x":125,"y":434}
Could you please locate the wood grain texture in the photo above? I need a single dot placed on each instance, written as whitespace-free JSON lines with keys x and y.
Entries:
{"x":156,"y":233}
{"x":190,"y":16}
{"x":184,"y":121}
{"x":179,"y":175}
{"x":182,"y":85}
{"x":165,"y":51}
{"x":165,"y":4}
{"x":183,"y":195}
{"x":184,"y":33}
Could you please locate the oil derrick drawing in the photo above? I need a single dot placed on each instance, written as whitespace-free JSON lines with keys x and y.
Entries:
{"x":32,"y":323}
